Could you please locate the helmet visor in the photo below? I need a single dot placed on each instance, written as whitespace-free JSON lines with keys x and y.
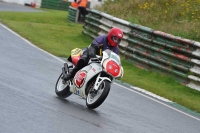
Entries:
{"x":116,"y":40}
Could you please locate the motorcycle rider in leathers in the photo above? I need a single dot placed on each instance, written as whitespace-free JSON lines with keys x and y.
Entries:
{"x":99,"y":44}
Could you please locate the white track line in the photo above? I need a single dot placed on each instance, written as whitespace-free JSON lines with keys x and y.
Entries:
{"x":149,"y":97}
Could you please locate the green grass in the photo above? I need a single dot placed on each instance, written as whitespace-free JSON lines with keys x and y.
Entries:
{"x":51,"y":31}
{"x":161,"y":85}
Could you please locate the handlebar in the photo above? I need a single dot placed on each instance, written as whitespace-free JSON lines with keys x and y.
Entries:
{"x":97,"y":59}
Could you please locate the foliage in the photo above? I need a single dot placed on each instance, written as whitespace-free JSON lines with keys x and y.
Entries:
{"x":177,"y":17}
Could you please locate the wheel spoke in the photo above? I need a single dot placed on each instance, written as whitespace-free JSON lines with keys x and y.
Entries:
{"x":93,"y":95}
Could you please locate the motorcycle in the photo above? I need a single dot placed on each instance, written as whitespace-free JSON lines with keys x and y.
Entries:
{"x":92,"y":82}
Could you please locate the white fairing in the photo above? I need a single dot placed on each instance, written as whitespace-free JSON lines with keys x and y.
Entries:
{"x":91,"y":70}
{"x":106,"y":59}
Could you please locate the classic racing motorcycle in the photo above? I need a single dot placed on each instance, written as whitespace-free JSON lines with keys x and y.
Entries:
{"x":92,"y":82}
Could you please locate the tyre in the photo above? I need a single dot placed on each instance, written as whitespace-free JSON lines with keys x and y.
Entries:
{"x":96,"y":98}
{"x":62,"y":89}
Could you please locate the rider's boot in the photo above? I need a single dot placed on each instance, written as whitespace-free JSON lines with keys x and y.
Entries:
{"x":71,"y":74}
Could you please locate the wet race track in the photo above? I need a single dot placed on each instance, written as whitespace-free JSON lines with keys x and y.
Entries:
{"x":29,"y":104}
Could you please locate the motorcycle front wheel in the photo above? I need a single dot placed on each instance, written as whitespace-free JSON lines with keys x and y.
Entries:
{"x":96,"y":98}
{"x":62,"y":89}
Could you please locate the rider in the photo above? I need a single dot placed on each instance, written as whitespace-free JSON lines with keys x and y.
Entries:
{"x":99,"y":44}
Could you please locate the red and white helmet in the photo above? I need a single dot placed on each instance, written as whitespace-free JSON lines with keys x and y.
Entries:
{"x":115,"y":36}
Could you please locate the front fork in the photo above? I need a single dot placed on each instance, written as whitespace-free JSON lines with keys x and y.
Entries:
{"x":99,"y":80}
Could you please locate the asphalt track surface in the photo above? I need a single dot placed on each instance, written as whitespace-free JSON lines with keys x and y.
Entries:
{"x":28,"y":103}
{"x":16,"y":8}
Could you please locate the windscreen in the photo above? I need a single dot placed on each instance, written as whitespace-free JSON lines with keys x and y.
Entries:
{"x":113,"y":56}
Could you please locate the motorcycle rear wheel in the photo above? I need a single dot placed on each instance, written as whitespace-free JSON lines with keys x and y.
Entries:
{"x":96,"y":98}
{"x":62,"y":90}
